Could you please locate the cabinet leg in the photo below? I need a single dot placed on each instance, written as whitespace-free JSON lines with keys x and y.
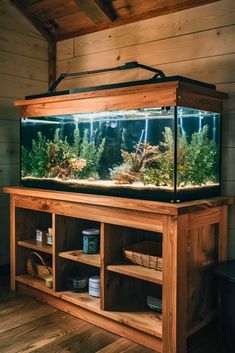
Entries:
{"x":175,"y":284}
{"x":223,"y":233}
{"x":12,"y":241}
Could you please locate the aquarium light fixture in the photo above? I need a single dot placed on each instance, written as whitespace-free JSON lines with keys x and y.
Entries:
{"x":158,"y":77}
{"x":117,"y":114}
{"x":126,"y":66}
{"x":37,"y":121}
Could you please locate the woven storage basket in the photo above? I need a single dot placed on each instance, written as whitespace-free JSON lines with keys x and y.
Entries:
{"x":37,"y":270}
{"x":146,"y":253}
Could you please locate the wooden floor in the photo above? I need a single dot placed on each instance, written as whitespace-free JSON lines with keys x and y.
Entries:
{"x":27,"y":325}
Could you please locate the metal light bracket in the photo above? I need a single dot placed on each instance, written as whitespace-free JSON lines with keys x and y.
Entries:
{"x":127,"y":66}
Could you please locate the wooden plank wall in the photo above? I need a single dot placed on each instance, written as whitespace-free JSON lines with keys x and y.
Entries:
{"x":198,"y":43}
{"x":23,"y":70}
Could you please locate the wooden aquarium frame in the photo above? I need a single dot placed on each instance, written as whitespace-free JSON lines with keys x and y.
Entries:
{"x":194,"y":239}
{"x":154,"y":95}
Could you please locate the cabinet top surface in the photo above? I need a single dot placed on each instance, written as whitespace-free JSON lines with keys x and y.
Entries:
{"x":123,"y":203}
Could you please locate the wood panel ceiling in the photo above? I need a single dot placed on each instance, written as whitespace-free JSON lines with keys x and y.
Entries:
{"x":61,"y":19}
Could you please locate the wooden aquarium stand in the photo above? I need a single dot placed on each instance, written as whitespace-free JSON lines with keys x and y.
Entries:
{"x":193,"y":236}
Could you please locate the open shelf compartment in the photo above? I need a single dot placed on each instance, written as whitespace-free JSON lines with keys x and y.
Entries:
{"x":136,"y":271}
{"x":35,"y":245}
{"x":79,"y":256}
{"x":143,"y":320}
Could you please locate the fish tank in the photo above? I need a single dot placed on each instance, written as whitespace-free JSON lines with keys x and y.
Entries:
{"x":169,"y":153}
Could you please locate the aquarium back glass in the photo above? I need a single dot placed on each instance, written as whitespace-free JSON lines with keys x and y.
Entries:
{"x":160,"y":154}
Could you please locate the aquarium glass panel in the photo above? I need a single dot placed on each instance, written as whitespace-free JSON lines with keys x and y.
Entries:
{"x":128,"y":153}
{"x":198,"y":154}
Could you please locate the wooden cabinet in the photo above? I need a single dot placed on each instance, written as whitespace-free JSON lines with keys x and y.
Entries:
{"x":193,"y":236}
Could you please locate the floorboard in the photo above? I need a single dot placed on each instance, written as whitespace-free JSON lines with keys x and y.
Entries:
{"x":27,"y":325}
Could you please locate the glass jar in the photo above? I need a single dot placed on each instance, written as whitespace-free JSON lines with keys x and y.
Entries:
{"x":94,"y":286}
{"x":49,"y":236}
{"x":91,"y":240}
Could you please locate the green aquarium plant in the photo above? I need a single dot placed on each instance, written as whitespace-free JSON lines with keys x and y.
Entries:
{"x":201,"y":159}
{"x":91,"y":153}
{"x":34,"y":162}
{"x":57,"y":158}
{"x":196,"y":161}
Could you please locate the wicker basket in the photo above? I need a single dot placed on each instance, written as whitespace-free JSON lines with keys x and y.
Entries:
{"x":37,"y":270}
{"x":146,"y":253}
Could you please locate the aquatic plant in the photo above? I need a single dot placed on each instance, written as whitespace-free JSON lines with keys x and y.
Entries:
{"x":201,"y":159}
{"x":34,"y":162}
{"x":61,"y":159}
{"x":156,"y":177}
{"x":122,"y":174}
{"x":134,"y":163}
{"x":196,"y":161}
{"x":91,"y":153}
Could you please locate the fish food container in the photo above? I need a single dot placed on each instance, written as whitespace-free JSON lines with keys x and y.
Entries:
{"x":40,"y":234}
{"x":91,"y":240}
{"x":94,"y":286}
{"x":49,"y":237}
{"x":78,"y":283}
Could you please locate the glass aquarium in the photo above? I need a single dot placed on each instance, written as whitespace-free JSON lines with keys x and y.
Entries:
{"x":163,"y":154}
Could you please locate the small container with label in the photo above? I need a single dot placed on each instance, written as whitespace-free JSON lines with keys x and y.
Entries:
{"x":49,"y":236}
{"x":91,"y":241}
{"x":40,"y":234}
{"x":49,"y":281}
{"x":78,"y":283}
{"x":94,"y":286}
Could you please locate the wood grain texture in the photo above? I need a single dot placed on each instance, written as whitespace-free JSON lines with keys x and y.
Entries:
{"x":9,"y":132}
{"x":98,"y":10}
{"x":18,"y":311}
{"x":6,"y":175}
{"x":11,"y":19}
{"x":46,"y":197}
{"x":9,"y":152}
{"x":105,"y":323}
{"x":214,"y":15}
{"x":35,"y":22}
{"x":24,"y":66}
{"x":202,"y":257}
{"x":20,"y":44}
{"x":22,"y":49}
{"x":79,"y":256}
{"x":95,"y":15}
{"x":170,"y":49}
{"x":223,"y":234}
{"x":33,"y":244}
{"x":159,"y":88}
{"x":155,"y":95}
{"x":136,"y":271}
{"x":209,"y":69}
{"x":55,"y":245}
{"x":51,"y":63}
{"x":13,"y":241}
{"x":202,"y":218}
{"x":96,"y":213}
{"x":174,"y":284}
{"x":190,"y":247}
{"x":99,"y":104}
